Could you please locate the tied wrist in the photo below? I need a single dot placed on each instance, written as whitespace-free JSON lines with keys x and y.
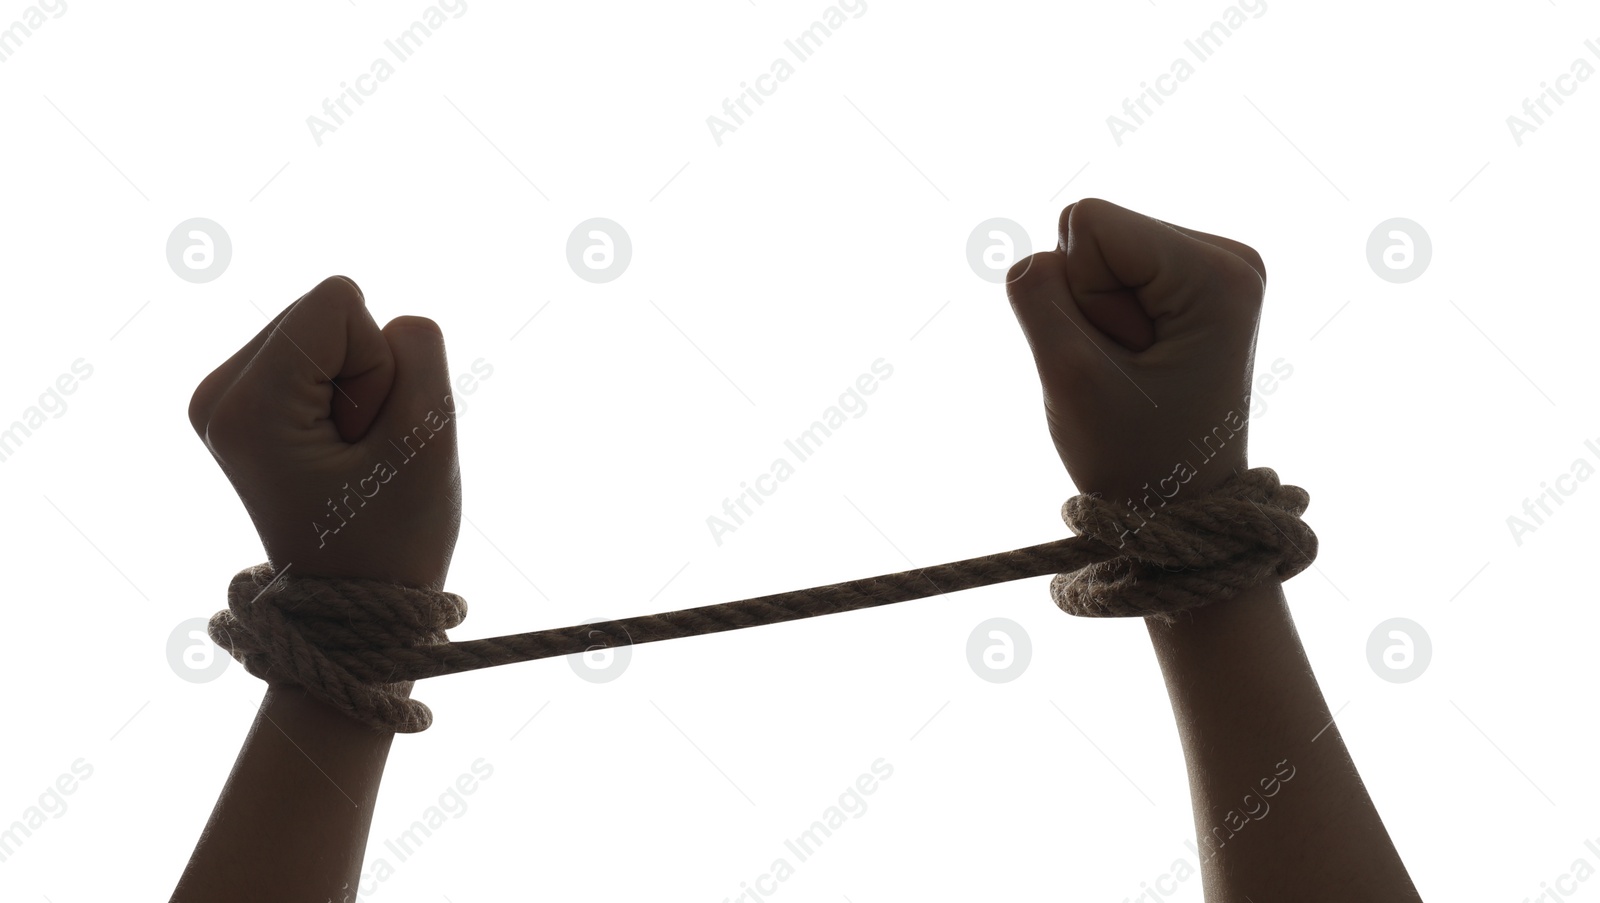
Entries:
{"x":1195,"y":551}
{"x":336,"y":638}
{"x":345,"y":641}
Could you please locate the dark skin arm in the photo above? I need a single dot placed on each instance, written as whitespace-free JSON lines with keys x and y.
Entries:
{"x":314,"y":403}
{"x":1144,"y":336}
{"x":292,"y":820}
{"x":1245,"y":700}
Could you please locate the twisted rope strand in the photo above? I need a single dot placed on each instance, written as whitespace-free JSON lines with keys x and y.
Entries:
{"x":360,"y":644}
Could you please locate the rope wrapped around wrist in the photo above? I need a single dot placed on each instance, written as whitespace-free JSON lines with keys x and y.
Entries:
{"x":1185,"y":554}
{"x":360,"y":644}
{"x":337,"y":637}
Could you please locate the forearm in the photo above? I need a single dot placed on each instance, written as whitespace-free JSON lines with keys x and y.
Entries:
{"x":292,"y":821}
{"x":1280,"y":811}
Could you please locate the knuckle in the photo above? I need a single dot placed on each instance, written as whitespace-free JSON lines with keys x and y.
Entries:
{"x":1079,"y":215}
{"x":1091,"y":207}
{"x":1024,"y":277}
{"x":1253,"y":258}
{"x":340,"y":293}
{"x":348,"y":286}
{"x":1064,"y":223}
{"x":200,"y":408}
{"x":204,"y":399}
{"x":335,"y":296}
{"x":1240,"y":280}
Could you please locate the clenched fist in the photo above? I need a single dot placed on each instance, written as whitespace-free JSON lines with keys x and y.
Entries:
{"x":340,"y":439}
{"x":1144,"y":336}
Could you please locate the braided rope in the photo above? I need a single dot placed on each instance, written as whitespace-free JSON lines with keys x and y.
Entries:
{"x":360,"y":644}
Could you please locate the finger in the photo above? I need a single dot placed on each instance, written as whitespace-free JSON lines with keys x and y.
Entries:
{"x":1061,"y":339}
{"x":1115,"y":311}
{"x":217,"y":383}
{"x":326,"y":361}
{"x":420,"y":409}
{"x":1115,"y":314}
{"x":1132,"y":274}
{"x":1243,"y":251}
{"x":1063,"y":226}
{"x":1237,"y":248}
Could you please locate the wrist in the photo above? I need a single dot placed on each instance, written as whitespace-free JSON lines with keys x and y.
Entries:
{"x":288,"y":704}
{"x":1258,"y":614}
{"x":1237,"y":668}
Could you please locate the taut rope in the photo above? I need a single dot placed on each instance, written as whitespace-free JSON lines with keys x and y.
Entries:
{"x":359,"y":644}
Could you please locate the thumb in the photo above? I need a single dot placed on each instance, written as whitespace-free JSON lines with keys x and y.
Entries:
{"x":1063,"y":342}
{"x":420,"y":409}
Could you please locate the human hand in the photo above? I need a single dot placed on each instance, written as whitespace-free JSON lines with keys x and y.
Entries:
{"x":1143,"y":334}
{"x":340,"y":439}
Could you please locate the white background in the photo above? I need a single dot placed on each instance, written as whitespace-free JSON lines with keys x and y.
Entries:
{"x":768,"y":273}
